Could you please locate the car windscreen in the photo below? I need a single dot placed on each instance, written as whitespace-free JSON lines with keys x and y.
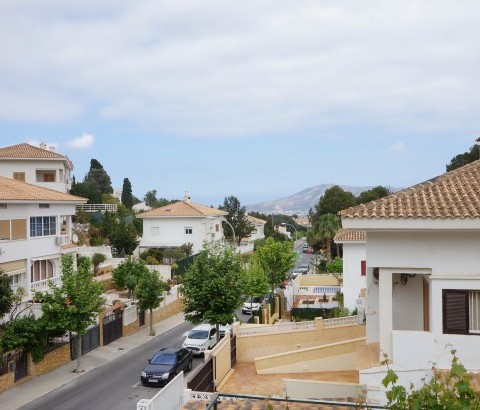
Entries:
{"x":198,"y":334}
{"x":163,"y":358}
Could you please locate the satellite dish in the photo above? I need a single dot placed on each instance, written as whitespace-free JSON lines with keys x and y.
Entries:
{"x":74,"y":238}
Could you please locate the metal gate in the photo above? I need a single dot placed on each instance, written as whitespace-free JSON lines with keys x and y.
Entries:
{"x":112,"y":327}
{"x":203,"y":379}
{"x":90,"y":341}
{"x":141,"y":318}
{"x":20,"y":365}
{"x":233,"y":351}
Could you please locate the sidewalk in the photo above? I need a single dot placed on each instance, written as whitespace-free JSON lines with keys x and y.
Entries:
{"x":21,"y":395}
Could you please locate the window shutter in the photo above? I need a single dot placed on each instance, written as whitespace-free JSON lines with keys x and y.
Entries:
{"x":455,"y":311}
{"x":363,"y":268}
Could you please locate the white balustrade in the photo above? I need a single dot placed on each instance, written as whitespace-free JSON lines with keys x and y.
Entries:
{"x":340,"y":321}
{"x":280,"y":328}
{"x":45,"y":284}
{"x":318,"y":290}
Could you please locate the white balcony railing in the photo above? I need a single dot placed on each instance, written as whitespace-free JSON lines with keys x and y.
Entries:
{"x":340,"y":321}
{"x":318,"y":290}
{"x":97,"y":207}
{"x":43,"y":285}
{"x":280,"y":328}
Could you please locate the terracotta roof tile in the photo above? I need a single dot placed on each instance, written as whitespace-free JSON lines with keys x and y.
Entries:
{"x":27,"y":151}
{"x":453,"y":195}
{"x":182,"y":208}
{"x":12,"y":190}
{"x":348,"y":235}
{"x":256,"y":221}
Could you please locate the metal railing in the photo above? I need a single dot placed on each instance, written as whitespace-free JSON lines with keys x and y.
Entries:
{"x":97,"y":207}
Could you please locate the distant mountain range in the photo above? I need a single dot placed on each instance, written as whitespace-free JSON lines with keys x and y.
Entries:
{"x":301,"y":202}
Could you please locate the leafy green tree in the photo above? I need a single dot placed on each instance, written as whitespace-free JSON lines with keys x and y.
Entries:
{"x":336,"y":266}
{"x":211,"y":287}
{"x":127,"y":196}
{"x":6,"y":293}
{"x":326,"y":228}
{"x":150,"y":198}
{"x":149,"y":292}
{"x":463,"y":159}
{"x":99,"y":178}
{"x":276,"y":259}
{"x":25,"y":333}
{"x":125,"y":237}
{"x":128,"y":274}
{"x":75,"y":304}
{"x":87,"y":189}
{"x":97,"y":259}
{"x":255,"y":282}
{"x":237,"y":216}
{"x":373,"y":194}
{"x":331,"y":202}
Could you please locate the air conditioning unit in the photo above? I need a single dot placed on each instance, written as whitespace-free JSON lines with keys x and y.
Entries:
{"x":61,"y":240}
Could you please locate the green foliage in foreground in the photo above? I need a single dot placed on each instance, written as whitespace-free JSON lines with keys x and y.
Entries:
{"x":449,"y":390}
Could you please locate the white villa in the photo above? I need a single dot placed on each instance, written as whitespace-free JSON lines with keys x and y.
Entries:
{"x":35,"y":231}
{"x":37,"y":166}
{"x":354,"y":266}
{"x":423,"y":275}
{"x":182,"y":222}
{"x":259,"y":232}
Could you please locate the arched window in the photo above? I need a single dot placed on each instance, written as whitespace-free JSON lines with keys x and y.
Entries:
{"x":41,"y":270}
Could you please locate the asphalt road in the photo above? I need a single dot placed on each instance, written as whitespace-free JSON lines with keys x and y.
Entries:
{"x":115,"y":385}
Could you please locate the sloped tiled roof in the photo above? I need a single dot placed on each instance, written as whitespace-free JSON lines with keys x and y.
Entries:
{"x":27,"y":151}
{"x":453,"y":195}
{"x":182,"y":208}
{"x":256,"y":221}
{"x":348,"y":235}
{"x":12,"y":190}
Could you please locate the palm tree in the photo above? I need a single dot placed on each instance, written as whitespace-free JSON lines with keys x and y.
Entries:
{"x":326,"y":228}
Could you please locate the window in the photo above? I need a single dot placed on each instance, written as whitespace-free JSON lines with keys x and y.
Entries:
{"x":363,"y":268}
{"x":43,"y":226}
{"x":217,"y":227}
{"x":461,"y":311}
{"x":41,"y":270}
{"x":13,"y":229}
{"x":44,"y":206}
{"x":19,"y":176}
{"x":188,"y":231}
{"x":155,"y":231}
{"x":3,"y":206}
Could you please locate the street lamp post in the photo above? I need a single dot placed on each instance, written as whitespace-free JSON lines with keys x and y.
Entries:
{"x":233,"y":231}
{"x":296,"y":235}
{"x":229,"y":224}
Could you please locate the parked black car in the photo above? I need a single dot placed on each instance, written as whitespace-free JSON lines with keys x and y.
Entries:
{"x":165,"y":365}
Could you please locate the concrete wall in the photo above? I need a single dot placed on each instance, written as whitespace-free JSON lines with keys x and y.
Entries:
{"x":303,"y":389}
{"x":251,"y":347}
{"x":222,"y":354}
{"x":339,"y":356}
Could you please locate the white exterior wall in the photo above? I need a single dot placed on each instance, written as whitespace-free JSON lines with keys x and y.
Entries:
{"x":447,"y":260}
{"x":353,"y":281}
{"x":30,"y":167}
{"x":171,"y":232}
{"x":36,"y":248}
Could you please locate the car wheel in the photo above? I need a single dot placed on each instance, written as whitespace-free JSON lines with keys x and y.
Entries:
{"x":190,"y":365}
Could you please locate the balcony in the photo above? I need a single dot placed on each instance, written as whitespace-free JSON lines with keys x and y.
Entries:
{"x":45,"y":285}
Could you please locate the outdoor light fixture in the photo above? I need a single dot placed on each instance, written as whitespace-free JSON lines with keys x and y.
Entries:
{"x":404,"y":277}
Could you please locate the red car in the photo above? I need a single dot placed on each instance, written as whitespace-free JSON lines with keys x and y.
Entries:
{"x":308,"y":250}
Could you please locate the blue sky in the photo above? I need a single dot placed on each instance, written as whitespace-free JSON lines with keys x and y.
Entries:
{"x":253,"y":99}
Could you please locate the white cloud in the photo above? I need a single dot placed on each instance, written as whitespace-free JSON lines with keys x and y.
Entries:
{"x":399,"y":147}
{"x":224,"y":68}
{"x":84,"y":142}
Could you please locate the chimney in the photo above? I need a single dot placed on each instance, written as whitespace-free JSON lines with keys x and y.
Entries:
{"x":51,"y":148}
{"x":43,"y":145}
{"x":186,"y":198}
